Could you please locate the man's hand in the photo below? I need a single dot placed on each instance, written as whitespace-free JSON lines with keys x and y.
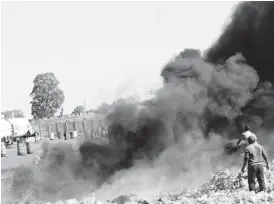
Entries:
{"x":243,"y":170}
{"x":267,"y":167}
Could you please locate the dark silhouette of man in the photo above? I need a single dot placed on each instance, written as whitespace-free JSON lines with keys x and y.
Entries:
{"x":255,"y":156}
{"x":245,"y":135}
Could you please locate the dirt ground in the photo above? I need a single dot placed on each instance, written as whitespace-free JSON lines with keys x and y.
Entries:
{"x":12,"y":160}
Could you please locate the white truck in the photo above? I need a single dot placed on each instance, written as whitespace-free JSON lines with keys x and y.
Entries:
{"x":15,"y":128}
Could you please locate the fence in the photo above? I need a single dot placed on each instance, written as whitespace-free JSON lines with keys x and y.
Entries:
{"x":83,"y":126}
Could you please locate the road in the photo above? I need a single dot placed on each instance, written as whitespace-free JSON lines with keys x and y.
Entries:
{"x":12,"y":160}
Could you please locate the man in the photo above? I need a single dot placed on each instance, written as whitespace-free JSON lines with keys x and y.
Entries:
{"x":36,"y":137}
{"x":254,"y":156}
{"x":245,"y":135}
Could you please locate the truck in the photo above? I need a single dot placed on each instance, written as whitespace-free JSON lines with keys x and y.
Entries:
{"x":14,"y":129}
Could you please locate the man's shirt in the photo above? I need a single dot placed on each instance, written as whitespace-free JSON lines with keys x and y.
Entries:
{"x":247,"y":134}
{"x":255,"y":154}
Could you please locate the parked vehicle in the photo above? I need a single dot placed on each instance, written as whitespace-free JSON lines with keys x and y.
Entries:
{"x":14,"y":129}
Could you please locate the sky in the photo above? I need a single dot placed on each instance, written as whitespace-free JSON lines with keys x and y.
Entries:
{"x":99,"y":51}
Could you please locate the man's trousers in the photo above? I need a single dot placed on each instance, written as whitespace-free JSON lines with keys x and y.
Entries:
{"x":256,"y":171}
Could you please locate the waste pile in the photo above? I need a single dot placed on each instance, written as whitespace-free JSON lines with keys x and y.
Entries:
{"x":224,"y":187}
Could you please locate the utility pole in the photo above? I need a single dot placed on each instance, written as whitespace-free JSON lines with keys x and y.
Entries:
{"x":85,"y":106}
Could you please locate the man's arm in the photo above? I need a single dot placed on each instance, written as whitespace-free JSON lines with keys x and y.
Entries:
{"x":265,"y":157}
{"x":239,"y":141}
{"x":246,"y":158}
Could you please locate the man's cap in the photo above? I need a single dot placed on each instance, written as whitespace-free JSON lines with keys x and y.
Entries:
{"x":252,"y":139}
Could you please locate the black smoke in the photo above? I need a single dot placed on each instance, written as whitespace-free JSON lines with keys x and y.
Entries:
{"x":250,"y":33}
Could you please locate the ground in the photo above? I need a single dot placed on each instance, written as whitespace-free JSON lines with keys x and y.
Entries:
{"x":223,"y":187}
{"x":12,"y":161}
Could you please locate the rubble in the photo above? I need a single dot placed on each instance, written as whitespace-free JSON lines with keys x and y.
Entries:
{"x":224,"y":187}
{"x":122,"y":199}
{"x":127,"y":199}
{"x":89,"y":200}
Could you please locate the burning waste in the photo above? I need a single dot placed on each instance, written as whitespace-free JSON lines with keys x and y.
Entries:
{"x":179,"y":137}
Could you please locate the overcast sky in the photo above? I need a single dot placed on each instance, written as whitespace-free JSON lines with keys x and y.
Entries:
{"x":99,"y":51}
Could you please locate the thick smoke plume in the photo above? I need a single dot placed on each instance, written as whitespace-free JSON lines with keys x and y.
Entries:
{"x":176,"y":139}
{"x":250,"y":32}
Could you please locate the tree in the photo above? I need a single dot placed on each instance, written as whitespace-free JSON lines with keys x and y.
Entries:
{"x":78,"y":110}
{"x":13,"y":114}
{"x":47,"y":97}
